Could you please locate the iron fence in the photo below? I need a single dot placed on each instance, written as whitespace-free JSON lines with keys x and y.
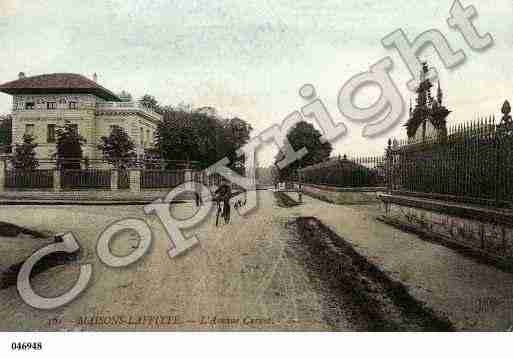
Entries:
{"x":29,"y":179}
{"x":162,"y":179}
{"x":85,"y":179}
{"x":473,"y":165}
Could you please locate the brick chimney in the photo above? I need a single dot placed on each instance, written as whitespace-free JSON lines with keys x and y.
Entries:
{"x":21,"y":75}
{"x":95,"y":77}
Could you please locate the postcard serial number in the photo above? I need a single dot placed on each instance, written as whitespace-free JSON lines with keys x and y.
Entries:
{"x":19,"y":346}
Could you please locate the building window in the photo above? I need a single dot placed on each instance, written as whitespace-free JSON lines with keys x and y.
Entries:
{"x":29,"y":129}
{"x":74,"y":128}
{"x":29,"y":105}
{"x":147,"y":137}
{"x":51,"y":105}
{"x":50,"y":134}
{"x":142,"y":136}
{"x":73,"y":105}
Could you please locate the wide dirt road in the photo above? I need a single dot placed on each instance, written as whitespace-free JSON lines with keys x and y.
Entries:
{"x":278,"y":268}
{"x":242,"y":276}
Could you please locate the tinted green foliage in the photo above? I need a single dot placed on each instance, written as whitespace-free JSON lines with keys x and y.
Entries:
{"x":6,"y":131}
{"x":151,"y":102}
{"x":200,"y":136}
{"x":343,"y":172}
{"x":118,"y":149}
{"x":69,"y":147}
{"x":304,"y":134}
{"x":24,"y":157}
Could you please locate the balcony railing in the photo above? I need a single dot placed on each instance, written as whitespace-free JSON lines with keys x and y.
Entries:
{"x":134,"y":105}
{"x":58,"y":108}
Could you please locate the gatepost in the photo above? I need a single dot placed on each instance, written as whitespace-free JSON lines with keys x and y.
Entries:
{"x":135,"y":180}
{"x":2,"y":174}
{"x":188,"y":177}
{"x":114,"y":176}
{"x":56,"y":180}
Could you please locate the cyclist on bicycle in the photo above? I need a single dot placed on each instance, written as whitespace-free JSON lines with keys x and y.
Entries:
{"x":223,"y":194}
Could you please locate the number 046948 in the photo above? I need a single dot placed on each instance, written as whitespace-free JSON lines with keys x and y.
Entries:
{"x":26,"y":346}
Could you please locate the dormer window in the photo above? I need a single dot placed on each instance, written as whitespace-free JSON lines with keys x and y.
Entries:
{"x":51,"y":105}
{"x":29,"y":105}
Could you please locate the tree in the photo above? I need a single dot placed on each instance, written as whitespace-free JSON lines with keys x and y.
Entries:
{"x":69,"y":147}
{"x":200,"y":136}
{"x":151,"y":159}
{"x":236,"y":133}
{"x":118,"y":149}
{"x":6,"y":133}
{"x":24,"y":157}
{"x":304,"y":134}
{"x":150,"y":102}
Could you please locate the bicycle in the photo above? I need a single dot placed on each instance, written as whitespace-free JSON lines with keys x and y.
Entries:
{"x":224,"y":211}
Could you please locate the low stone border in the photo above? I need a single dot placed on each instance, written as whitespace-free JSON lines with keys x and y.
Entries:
{"x":473,"y":212}
{"x":345,"y":189}
{"x":472,"y":252}
{"x":457,"y":199}
{"x":480,"y":232}
{"x":346,"y":196}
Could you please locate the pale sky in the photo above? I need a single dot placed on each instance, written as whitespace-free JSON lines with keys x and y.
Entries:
{"x":249,"y":58}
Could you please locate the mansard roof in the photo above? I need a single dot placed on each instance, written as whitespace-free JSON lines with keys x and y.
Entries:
{"x":60,"y":83}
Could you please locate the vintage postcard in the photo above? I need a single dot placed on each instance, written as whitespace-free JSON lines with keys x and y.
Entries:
{"x":255,"y":166}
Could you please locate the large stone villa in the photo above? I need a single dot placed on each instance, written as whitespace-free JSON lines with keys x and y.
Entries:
{"x":43,"y":103}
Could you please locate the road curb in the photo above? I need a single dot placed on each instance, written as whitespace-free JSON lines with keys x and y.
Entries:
{"x":21,"y":202}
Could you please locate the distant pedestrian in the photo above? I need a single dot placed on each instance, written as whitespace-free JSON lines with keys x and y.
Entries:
{"x":197,"y":195}
{"x":199,"y":200}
